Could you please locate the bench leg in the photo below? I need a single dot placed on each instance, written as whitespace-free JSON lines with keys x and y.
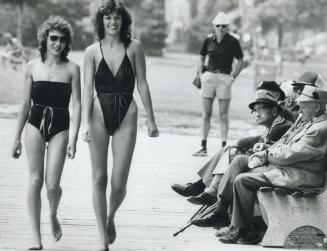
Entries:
{"x":286,"y":214}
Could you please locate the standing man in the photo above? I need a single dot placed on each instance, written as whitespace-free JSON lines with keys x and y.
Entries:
{"x":218,"y":50}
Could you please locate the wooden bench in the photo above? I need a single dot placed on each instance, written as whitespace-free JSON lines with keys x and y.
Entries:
{"x":284,"y":211}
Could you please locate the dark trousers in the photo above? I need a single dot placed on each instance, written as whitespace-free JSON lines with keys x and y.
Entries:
{"x":245,"y":187}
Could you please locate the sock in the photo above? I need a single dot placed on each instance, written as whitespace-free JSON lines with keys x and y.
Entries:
{"x":222,"y":206}
{"x":200,"y":184}
{"x":223,"y":143}
{"x":204,"y":143}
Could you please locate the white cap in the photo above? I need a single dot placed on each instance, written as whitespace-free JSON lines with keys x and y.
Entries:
{"x":313,"y":94}
{"x":221,"y":18}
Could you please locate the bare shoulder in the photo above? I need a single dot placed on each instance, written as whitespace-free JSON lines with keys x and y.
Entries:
{"x":92,"y":49}
{"x":135,"y":45}
{"x":73,"y":67}
{"x":32,"y":65}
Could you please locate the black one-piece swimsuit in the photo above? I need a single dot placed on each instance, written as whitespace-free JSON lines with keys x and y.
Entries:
{"x":115,"y":93}
{"x":49,"y":112}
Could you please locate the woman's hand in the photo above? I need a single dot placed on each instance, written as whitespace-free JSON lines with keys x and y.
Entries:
{"x":152,"y":129}
{"x":71,"y":149}
{"x":86,"y":134}
{"x":16,"y":149}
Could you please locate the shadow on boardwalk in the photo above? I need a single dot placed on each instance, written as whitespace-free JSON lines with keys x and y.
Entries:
{"x":147,"y":219}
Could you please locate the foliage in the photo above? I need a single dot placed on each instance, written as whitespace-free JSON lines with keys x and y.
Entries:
{"x":35,"y":12}
{"x":153,"y":26}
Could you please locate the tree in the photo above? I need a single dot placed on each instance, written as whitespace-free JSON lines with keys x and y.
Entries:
{"x":153,"y":26}
{"x":20,"y":6}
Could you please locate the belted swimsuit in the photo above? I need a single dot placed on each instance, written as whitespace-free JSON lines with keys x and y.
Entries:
{"x":115,"y":93}
{"x":49,"y":112}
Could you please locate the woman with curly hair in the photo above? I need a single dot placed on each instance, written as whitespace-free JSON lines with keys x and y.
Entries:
{"x":50,"y":81}
{"x":111,"y":66}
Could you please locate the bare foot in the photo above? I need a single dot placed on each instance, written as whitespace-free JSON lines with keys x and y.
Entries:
{"x":111,"y":230}
{"x":36,"y":247}
{"x":55,"y":228}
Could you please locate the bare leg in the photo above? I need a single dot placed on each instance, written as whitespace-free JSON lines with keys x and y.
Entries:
{"x":213,"y":188}
{"x":56,"y":156}
{"x":206,"y":116}
{"x":35,"y":156}
{"x":223,"y":115}
{"x":99,"y":154}
{"x":123,"y":143}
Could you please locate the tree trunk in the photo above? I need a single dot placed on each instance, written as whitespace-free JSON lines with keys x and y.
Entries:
{"x":280,"y":35}
{"x":20,"y":17}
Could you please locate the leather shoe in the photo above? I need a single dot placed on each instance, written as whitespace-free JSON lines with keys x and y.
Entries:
{"x":212,"y":220}
{"x":203,"y":199}
{"x":190,"y":189}
{"x":234,"y":235}
{"x":222,"y":231}
{"x":251,"y":238}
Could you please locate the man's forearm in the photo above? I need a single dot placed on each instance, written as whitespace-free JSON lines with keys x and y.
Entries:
{"x":238,"y":68}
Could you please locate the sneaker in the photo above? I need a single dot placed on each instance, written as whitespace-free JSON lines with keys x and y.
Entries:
{"x":201,"y":153}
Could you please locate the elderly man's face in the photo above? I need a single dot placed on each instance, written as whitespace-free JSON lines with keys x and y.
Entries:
{"x":263,"y":114}
{"x":308,"y":110}
{"x":221,"y":30}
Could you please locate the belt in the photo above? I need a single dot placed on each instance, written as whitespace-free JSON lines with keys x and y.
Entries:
{"x":47,"y":117}
{"x":218,"y":71}
{"x":118,"y":102}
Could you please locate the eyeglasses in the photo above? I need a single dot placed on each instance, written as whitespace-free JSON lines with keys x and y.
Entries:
{"x":259,"y":109}
{"x":221,"y":25}
{"x":54,"y":38}
{"x":298,"y":89}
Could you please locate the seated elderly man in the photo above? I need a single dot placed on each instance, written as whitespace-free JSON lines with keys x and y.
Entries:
{"x":266,"y":110}
{"x":212,"y":172}
{"x":296,"y":161}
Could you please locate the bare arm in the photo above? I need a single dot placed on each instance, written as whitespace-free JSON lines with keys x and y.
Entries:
{"x":238,"y":68}
{"x":76,"y":97}
{"x":201,"y":65}
{"x":143,"y":88}
{"x":24,"y":110}
{"x":88,"y":90}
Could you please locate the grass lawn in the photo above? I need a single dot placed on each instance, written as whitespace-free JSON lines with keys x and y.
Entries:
{"x":176,"y":101}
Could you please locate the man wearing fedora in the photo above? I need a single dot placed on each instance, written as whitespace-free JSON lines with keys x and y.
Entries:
{"x":296,"y":161}
{"x":204,"y":190}
{"x":267,"y":113}
{"x":307,"y":78}
{"x":219,"y":49}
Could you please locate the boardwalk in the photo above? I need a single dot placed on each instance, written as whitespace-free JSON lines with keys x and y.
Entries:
{"x":147,"y":218}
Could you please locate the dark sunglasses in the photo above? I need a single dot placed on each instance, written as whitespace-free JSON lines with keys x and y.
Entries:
{"x":221,"y":25}
{"x":54,"y":38}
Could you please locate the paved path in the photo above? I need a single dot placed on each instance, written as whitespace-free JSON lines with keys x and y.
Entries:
{"x":147,"y":219}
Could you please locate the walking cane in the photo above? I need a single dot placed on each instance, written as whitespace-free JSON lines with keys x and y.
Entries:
{"x":201,"y":212}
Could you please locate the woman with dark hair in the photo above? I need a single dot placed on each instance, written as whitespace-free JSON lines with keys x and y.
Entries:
{"x":50,"y":81}
{"x":111,"y":66}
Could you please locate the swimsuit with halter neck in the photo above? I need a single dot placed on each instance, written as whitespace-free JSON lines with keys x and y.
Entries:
{"x":115,"y":93}
{"x":49,"y":112}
